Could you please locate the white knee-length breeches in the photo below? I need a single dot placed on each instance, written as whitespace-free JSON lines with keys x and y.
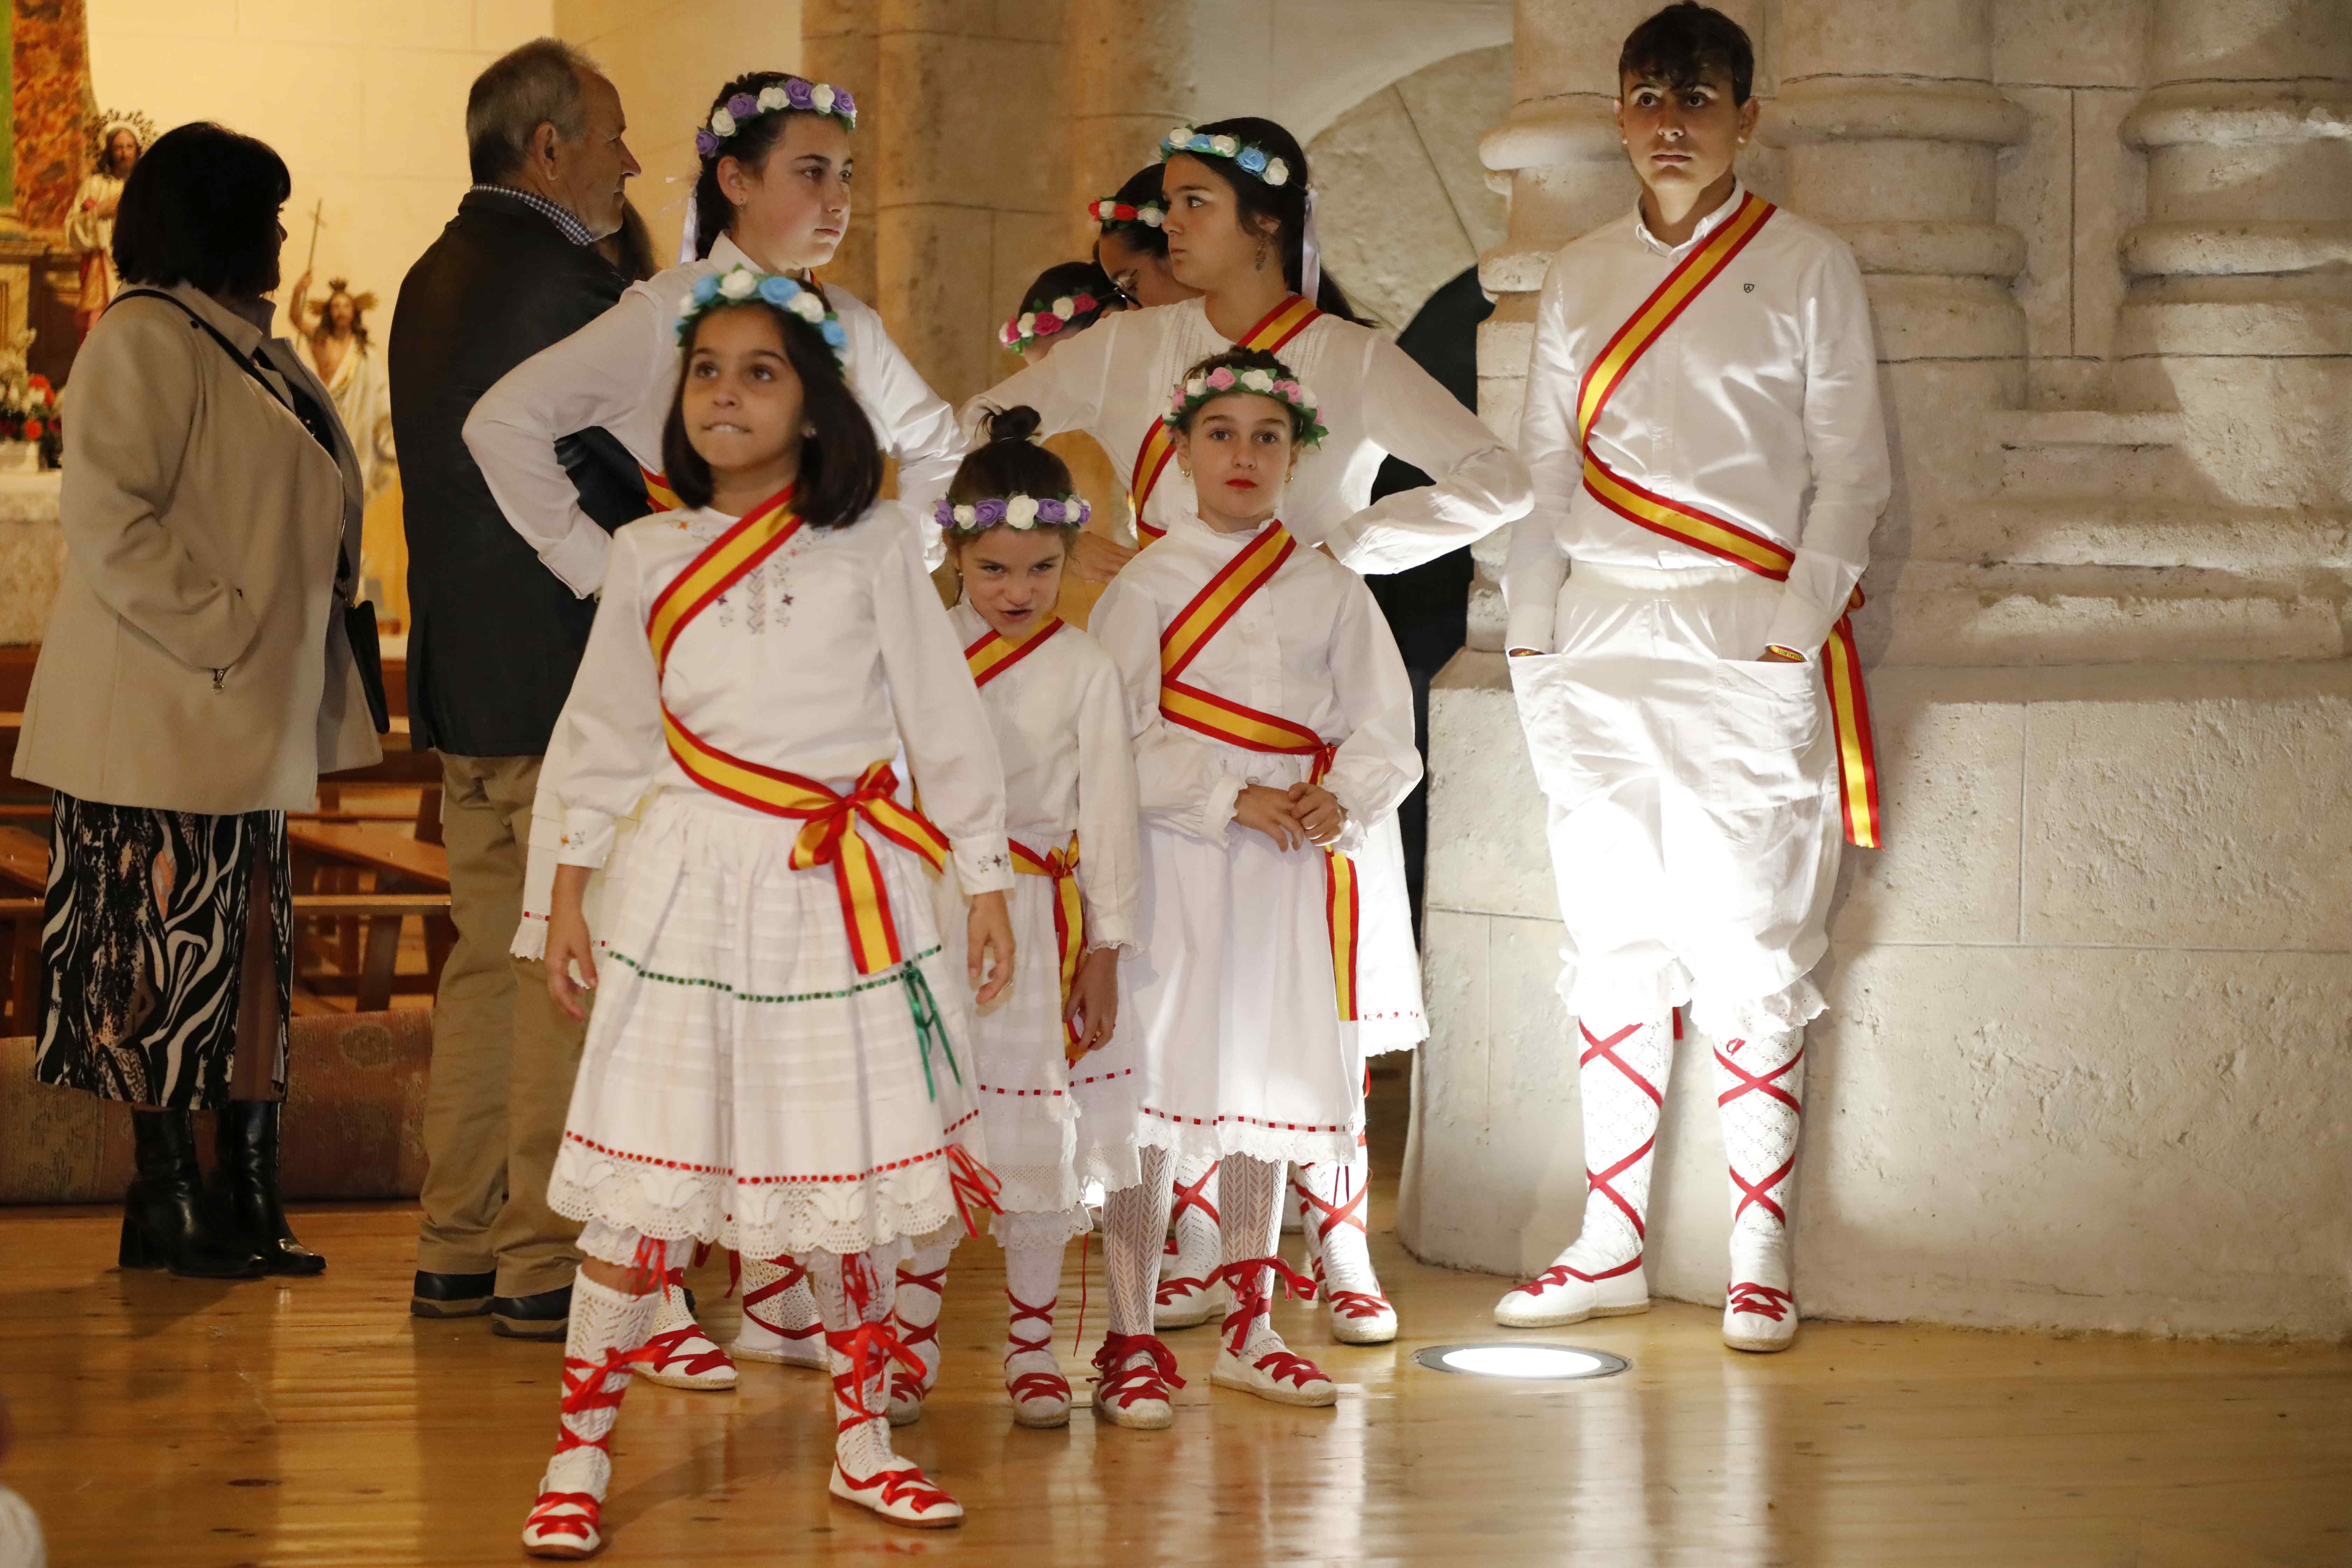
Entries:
{"x":1692,"y":793}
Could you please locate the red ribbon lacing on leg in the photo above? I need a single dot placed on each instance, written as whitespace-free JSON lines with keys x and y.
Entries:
{"x":1560,"y":1274}
{"x":662,"y":1350}
{"x":753,"y":1299}
{"x":975,"y":1186}
{"x":1032,"y":1384}
{"x":1187,"y":1197}
{"x":1122,"y":1384}
{"x":583,"y":1391}
{"x":1248,"y":1280}
{"x":861,"y":1347}
{"x":919,"y":1387}
{"x":1357,"y":1304}
{"x":1761,"y":1301}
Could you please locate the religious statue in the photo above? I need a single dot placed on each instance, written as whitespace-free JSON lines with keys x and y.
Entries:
{"x":89,"y":222}
{"x":331,"y":335}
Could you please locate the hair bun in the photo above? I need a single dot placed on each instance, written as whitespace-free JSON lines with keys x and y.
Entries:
{"x":1018,"y":423}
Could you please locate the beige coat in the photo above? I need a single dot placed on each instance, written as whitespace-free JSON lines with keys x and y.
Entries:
{"x":196,"y":658}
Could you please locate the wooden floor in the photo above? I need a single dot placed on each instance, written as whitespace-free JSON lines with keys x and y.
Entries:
{"x":168,"y":1422}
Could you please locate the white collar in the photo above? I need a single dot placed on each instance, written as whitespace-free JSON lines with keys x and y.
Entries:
{"x":1707,"y":225}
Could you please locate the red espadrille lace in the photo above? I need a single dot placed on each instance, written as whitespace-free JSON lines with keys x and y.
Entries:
{"x":1763,"y":1300}
{"x":753,"y":1299}
{"x":1032,"y":1384}
{"x":584,"y":1389}
{"x":547,"y":1519}
{"x":974,"y":1186}
{"x":903,"y":1485}
{"x":1188,"y":1196}
{"x":1247,"y":1279}
{"x":1122,"y":1384}
{"x":918,"y":1386}
{"x":1357,"y":1304}
{"x":1560,"y":1274}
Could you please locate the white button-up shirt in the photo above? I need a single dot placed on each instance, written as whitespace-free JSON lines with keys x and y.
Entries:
{"x":620,"y":372}
{"x":1760,"y":404}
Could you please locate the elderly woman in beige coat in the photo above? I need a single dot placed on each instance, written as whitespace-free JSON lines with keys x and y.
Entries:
{"x":196,"y":678}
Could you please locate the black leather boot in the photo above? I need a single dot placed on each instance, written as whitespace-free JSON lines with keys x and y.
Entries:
{"x":249,"y":1189}
{"x":166,"y":1224}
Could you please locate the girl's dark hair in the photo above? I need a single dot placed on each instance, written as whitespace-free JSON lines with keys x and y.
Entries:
{"x":633,"y":253}
{"x":1238,"y":360}
{"x":1073,"y":279}
{"x":755,"y":138}
{"x":1010,"y":462}
{"x":1285,"y":205}
{"x":201,"y":208}
{"x":1683,"y":42}
{"x":841,"y":464}
{"x":1142,"y":189}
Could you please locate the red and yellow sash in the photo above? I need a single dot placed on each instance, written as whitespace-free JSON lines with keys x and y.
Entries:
{"x":1239,"y":725}
{"x":1727,"y":541}
{"x":658,"y":495}
{"x":832,"y":837}
{"x":1281,"y":324}
{"x":994,"y":653}
{"x":1069,"y":912}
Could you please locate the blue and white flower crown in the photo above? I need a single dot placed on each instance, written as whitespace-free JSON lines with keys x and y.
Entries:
{"x":1016,"y":511}
{"x":740,"y":285}
{"x":1253,"y":158}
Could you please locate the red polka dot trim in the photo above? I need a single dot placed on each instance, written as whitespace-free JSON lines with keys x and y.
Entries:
{"x":766,"y":1181}
{"x":1247,"y":1121}
{"x":1103,"y":1077}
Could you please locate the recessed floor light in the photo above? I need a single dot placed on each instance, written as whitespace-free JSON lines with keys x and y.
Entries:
{"x":1520,"y":1359}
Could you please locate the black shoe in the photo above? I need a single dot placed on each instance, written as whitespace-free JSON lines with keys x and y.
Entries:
{"x":451,"y":1295}
{"x":546,"y":1316}
{"x":248,"y":1191}
{"x":166,"y":1224}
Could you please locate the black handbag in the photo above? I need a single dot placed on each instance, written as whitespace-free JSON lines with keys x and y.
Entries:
{"x":359,"y":618}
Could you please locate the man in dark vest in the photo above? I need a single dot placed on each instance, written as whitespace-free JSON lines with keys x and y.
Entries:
{"x":495,"y":640}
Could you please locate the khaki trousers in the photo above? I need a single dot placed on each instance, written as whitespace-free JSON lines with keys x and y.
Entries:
{"x":503,"y":1057}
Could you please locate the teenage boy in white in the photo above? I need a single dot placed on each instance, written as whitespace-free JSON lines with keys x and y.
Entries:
{"x":1704,"y":428}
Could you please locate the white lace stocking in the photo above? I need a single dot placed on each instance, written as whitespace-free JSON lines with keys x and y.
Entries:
{"x":1134,"y":1219}
{"x":1251,"y":1192}
{"x":1760,"y":1093}
{"x":604,"y":1321}
{"x":1622,"y":1078}
{"x":1337,"y":1214}
{"x":861,"y":1446}
{"x":1194,"y":1250}
{"x":922,"y":1289}
{"x":790,"y":1312}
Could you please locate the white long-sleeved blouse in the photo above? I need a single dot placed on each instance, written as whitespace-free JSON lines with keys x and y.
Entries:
{"x":819,"y":662}
{"x":1113,"y":382}
{"x":1760,"y":404}
{"x":620,"y":372}
{"x":1310,"y":646}
{"x":1061,"y":731}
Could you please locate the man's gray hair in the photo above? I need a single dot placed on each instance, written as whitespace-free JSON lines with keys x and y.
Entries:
{"x":531,"y":85}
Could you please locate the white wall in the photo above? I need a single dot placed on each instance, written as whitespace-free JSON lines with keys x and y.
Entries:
{"x":365,"y":99}
{"x":669,"y":60}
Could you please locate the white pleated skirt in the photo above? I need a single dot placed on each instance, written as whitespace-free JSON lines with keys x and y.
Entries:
{"x":742,"y":1083}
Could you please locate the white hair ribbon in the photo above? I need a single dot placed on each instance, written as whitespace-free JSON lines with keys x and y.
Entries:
{"x":1310,"y":255}
{"x":686,"y":241}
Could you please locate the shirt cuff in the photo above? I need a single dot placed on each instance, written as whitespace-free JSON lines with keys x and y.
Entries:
{"x":1800,"y":625}
{"x":982,"y":864}
{"x":1217,"y":811}
{"x":1346,"y":541}
{"x":587,"y":838}
{"x":578,"y":558}
{"x":1528,"y":626}
{"x":1104,"y":932}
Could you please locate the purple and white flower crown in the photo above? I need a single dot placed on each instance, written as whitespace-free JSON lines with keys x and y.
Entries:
{"x":792,"y":92}
{"x":1224,"y":381}
{"x":1016,"y":511}
{"x":1253,"y":158}
{"x":740,"y":286}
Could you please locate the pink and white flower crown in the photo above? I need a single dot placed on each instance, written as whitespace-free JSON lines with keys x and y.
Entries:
{"x":1044,"y":318}
{"x":1110,"y":212}
{"x":792,"y":92}
{"x":1190,"y":395}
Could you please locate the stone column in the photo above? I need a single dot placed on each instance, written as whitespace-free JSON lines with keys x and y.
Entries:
{"x":2240,"y":309}
{"x":839,"y":44}
{"x":1130,"y":79}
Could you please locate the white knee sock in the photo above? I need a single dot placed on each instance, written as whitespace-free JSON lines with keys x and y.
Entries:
{"x":776,"y":1296}
{"x":1759,"y":1095}
{"x":1338,"y":1220}
{"x":1033,"y":1280}
{"x":1251,"y":1192}
{"x":921,"y":1289}
{"x":1134,"y":1219}
{"x":848,"y":1291}
{"x":1195,"y":1249}
{"x":604,"y":1322}
{"x":1622,"y":1078}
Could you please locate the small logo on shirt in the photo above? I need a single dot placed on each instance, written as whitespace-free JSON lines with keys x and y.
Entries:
{"x":1748,"y":287}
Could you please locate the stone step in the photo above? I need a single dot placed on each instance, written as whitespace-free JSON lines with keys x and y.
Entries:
{"x":1949,"y":614}
{"x":2136,"y":533}
{"x":2089,"y":427}
{"x":2039,"y":469}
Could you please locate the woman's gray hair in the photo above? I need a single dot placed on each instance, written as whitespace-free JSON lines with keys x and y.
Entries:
{"x":531,"y":85}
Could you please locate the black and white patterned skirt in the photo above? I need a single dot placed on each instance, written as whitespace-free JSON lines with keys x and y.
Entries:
{"x":143,"y":944}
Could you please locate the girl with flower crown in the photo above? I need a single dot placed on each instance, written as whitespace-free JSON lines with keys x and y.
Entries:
{"x":780,"y":1059}
{"x":772,"y":196}
{"x":1131,"y":241}
{"x":1274,"y":742}
{"x":1238,"y":226}
{"x":1054,"y":701}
